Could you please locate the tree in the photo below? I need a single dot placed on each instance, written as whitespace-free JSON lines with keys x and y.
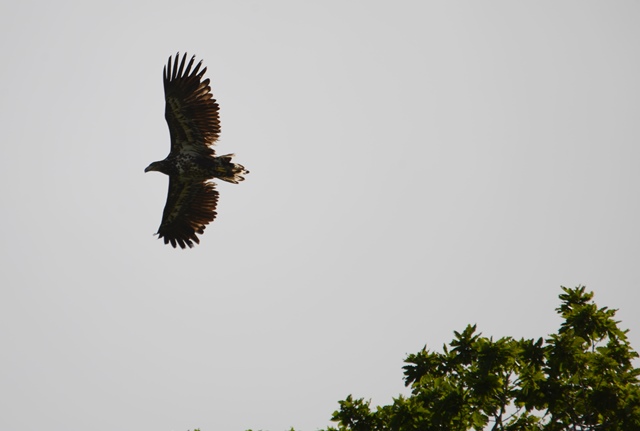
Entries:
{"x":581,"y":378}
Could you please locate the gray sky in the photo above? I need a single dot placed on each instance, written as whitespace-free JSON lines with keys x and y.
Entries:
{"x":415,"y":167}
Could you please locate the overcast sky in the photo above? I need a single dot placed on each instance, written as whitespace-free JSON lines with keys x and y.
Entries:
{"x":415,"y":167}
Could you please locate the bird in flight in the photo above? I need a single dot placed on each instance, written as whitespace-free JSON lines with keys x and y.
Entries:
{"x":194,"y":127}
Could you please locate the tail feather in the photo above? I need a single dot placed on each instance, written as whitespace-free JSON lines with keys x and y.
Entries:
{"x":228,"y":171}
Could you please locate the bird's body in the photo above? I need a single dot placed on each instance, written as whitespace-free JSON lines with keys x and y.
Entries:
{"x":194,"y":126}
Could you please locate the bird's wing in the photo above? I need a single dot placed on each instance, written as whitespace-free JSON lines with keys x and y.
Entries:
{"x":190,"y":207}
{"x":191,"y":111}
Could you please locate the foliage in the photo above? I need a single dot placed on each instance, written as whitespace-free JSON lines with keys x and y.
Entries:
{"x":581,"y":378}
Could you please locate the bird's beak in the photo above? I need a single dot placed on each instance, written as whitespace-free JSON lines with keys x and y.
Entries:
{"x":148,"y":168}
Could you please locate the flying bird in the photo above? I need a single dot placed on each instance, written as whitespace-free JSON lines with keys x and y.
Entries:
{"x":194,"y":126}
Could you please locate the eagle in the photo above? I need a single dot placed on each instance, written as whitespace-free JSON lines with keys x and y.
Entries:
{"x":194,"y":127}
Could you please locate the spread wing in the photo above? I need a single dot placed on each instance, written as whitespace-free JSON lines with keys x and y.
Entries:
{"x":190,"y":207}
{"x":191,"y":111}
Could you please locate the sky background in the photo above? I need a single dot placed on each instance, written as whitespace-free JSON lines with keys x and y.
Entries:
{"x":415,"y":167}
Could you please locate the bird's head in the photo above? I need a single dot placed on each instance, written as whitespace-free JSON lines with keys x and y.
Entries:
{"x":155,"y":166}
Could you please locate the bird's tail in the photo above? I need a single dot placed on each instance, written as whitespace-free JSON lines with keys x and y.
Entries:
{"x":228,"y":171}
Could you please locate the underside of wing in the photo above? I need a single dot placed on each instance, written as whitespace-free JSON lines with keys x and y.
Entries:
{"x":190,"y":207}
{"x":191,"y":111}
